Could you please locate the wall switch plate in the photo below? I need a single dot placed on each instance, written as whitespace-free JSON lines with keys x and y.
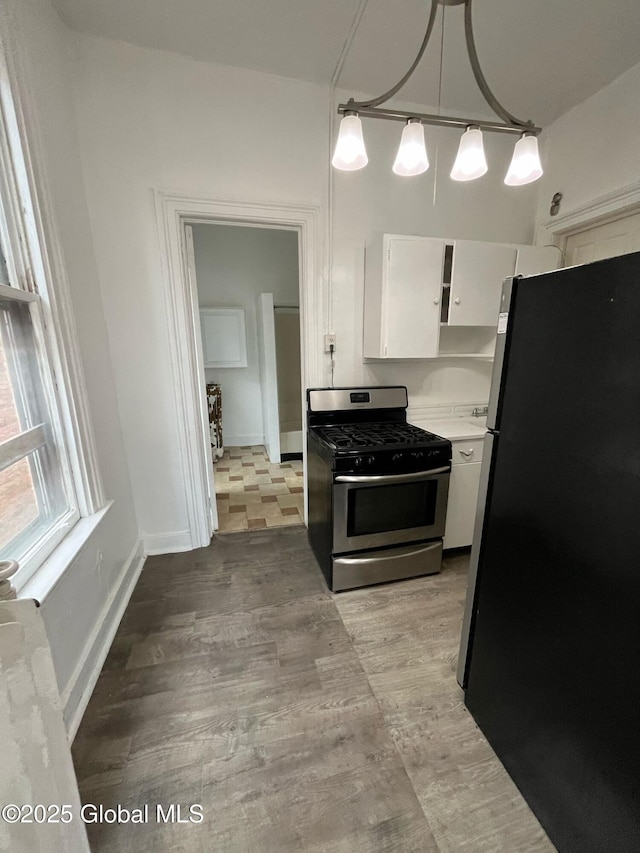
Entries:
{"x":329,"y":341}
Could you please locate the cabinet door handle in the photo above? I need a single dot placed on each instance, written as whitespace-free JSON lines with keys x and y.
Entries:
{"x":467,"y":453}
{"x":457,"y":300}
{"x":436,"y":301}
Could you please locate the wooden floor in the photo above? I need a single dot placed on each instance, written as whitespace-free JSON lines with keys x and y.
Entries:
{"x":300,"y":720}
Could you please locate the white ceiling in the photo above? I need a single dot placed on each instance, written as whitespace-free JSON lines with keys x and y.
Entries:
{"x":541,"y":57}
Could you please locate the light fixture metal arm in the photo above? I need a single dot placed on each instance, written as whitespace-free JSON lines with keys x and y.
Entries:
{"x":488,"y":95}
{"x":439,"y":119}
{"x":375,"y":102}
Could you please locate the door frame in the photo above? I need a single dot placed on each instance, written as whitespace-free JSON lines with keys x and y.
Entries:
{"x":617,"y":204}
{"x":173,"y":211}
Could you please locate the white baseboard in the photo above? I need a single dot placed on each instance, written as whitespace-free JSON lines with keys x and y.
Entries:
{"x":167,"y":543}
{"x":75,"y":697}
{"x":243,"y":440}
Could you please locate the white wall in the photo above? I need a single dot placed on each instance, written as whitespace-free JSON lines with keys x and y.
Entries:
{"x":79,"y":612}
{"x":149,"y":119}
{"x":234,"y":264}
{"x":431,"y":205}
{"x":594,"y":149}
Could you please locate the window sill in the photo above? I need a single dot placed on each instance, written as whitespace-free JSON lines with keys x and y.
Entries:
{"x":44,"y":580}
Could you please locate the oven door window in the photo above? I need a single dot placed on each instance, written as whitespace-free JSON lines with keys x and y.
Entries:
{"x":378,"y":509}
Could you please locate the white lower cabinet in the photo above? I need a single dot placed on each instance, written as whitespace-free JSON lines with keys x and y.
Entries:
{"x":463,"y":492}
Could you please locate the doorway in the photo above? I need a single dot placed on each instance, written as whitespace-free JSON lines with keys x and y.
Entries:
{"x":618,"y":237}
{"x":246,"y":279}
{"x":173,"y":210}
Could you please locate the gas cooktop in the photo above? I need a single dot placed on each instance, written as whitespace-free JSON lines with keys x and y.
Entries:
{"x":366,"y":436}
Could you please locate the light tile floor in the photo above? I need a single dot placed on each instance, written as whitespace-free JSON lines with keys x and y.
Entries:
{"x":252,"y":493}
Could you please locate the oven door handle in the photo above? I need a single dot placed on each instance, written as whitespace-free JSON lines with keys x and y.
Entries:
{"x":393,"y":478}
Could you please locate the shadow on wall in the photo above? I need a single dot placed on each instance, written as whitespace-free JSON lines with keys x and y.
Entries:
{"x":287,"y":328}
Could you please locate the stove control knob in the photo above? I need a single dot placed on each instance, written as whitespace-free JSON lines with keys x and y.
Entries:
{"x":396,"y":456}
{"x":357,"y":461}
{"x":370,"y":460}
{"x":417,"y":454}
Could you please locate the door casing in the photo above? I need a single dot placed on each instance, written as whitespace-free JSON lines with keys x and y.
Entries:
{"x":173,"y":211}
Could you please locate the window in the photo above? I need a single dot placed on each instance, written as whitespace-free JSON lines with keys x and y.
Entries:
{"x":36,"y":497}
{"x":48,"y":471}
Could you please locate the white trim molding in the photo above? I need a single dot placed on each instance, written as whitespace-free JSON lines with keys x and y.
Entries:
{"x":174,"y":210}
{"x":605,"y":208}
{"x":76,"y":694}
{"x":167,"y":543}
{"x":253,"y":440}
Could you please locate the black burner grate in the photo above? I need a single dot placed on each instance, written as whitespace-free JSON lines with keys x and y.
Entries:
{"x":363,"y":436}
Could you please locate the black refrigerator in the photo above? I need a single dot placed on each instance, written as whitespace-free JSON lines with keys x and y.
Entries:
{"x":550,"y":651}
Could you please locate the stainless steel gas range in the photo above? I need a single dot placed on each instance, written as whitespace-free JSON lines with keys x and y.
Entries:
{"x":377,"y":487}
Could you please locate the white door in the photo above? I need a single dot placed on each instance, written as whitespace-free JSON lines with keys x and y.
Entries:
{"x":190,"y":263}
{"x":604,"y":241}
{"x":268,"y":374}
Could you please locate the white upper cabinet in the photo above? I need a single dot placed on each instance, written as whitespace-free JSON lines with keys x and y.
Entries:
{"x":533,"y":260}
{"x":224,"y":340}
{"x":437,"y":298}
{"x":476,"y":282}
{"x":403,"y":292}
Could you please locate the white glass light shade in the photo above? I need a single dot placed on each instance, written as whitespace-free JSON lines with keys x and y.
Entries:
{"x":525,"y":164}
{"x":470,"y":162}
{"x":350,"y":153}
{"x":411,"y":158}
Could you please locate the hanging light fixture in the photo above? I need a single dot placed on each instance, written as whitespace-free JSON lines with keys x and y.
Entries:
{"x":411,"y":159}
{"x":525,"y":164}
{"x":350,"y":153}
{"x":470,"y":162}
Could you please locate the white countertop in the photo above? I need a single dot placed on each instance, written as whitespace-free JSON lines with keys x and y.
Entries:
{"x":455,"y":429}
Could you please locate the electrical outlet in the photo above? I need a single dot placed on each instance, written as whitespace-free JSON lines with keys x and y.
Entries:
{"x":329,"y":341}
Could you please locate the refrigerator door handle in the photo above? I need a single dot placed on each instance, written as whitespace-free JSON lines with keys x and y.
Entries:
{"x":467,"y":621}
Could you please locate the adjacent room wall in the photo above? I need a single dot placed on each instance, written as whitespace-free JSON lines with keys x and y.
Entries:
{"x":234,"y":264}
{"x":594,"y":149}
{"x":82,"y":609}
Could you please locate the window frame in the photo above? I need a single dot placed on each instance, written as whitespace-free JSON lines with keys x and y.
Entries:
{"x":37,"y":272}
{"x":42,"y":542}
